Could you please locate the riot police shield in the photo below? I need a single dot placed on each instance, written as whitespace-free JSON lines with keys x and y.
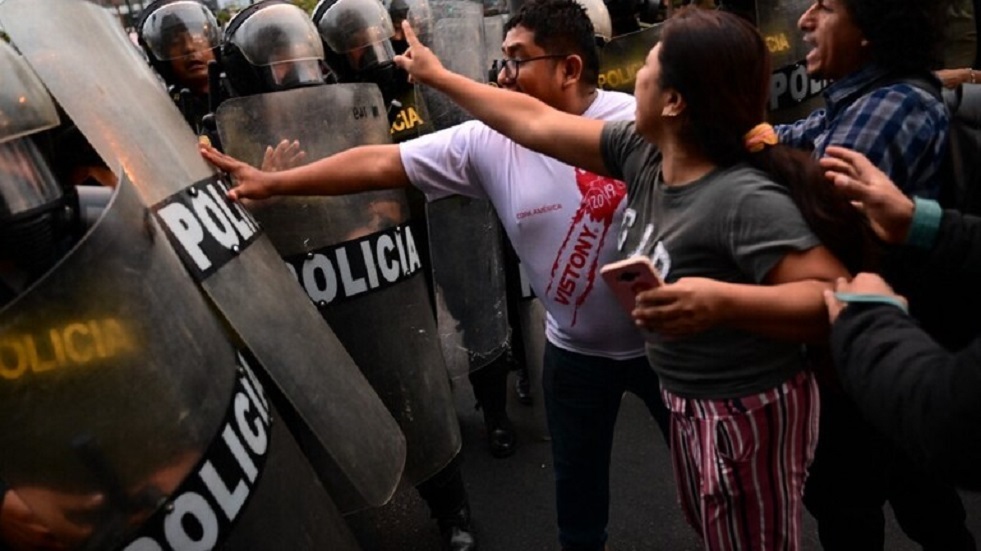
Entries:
{"x":493,"y":38}
{"x":356,"y":256}
{"x":92,"y":69}
{"x":464,"y":233}
{"x":622,"y":57}
{"x":455,"y":22}
{"x":127,"y":415}
{"x":26,"y":115}
{"x":793,"y":94}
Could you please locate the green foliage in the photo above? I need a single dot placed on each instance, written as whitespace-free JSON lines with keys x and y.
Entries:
{"x":223,"y":16}
{"x":307,"y":5}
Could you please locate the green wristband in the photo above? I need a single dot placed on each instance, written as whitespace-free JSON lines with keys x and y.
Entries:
{"x":925,"y":224}
{"x":872,"y":299}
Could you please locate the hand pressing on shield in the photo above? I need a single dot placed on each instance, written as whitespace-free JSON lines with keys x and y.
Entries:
{"x":248,"y":181}
{"x":285,"y":155}
{"x":363,"y":168}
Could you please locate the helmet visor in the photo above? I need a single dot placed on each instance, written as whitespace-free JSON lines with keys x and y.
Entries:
{"x":278,"y":34}
{"x":291,"y":74}
{"x":354,"y":24}
{"x":416,"y":12}
{"x":180,"y":29}
{"x":25,"y":106}
{"x":26,"y":183}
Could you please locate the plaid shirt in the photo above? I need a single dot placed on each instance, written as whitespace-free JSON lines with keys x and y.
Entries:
{"x":900,"y":127}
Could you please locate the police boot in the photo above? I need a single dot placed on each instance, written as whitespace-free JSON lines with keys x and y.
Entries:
{"x":446,"y":497}
{"x":522,"y":386}
{"x":490,"y":389}
{"x":456,"y":532}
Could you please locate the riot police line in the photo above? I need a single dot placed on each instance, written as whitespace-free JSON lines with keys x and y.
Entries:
{"x":202,"y":293}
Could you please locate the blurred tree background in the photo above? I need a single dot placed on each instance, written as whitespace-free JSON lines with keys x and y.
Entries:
{"x":307,"y":5}
{"x":224,"y":14}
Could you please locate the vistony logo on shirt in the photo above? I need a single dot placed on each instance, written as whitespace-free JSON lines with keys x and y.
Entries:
{"x":574,"y":269}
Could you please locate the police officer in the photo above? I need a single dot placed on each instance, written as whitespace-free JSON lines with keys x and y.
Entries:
{"x":38,"y":224}
{"x":267,"y":49}
{"x":181,"y":39}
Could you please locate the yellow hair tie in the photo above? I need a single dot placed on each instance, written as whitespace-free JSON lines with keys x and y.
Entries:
{"x":759,"y":137}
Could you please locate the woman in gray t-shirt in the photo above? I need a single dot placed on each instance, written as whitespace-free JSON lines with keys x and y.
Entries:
{"x":747,"y":235}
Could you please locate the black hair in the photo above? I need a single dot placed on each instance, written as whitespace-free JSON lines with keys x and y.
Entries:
{"x":561,"y":27}
{"x":903,"y":35}
{"x":726,"y":103}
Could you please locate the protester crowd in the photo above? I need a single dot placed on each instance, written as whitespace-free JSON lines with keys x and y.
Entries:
{"x":813,"y":343}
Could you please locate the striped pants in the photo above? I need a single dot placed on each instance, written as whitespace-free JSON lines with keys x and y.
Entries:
{"x":740,"y":464}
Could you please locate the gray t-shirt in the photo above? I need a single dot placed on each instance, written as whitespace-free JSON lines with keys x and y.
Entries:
{"x":733,"y":225}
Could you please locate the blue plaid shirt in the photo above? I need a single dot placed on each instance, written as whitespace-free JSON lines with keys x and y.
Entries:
{"x":900,"y":127}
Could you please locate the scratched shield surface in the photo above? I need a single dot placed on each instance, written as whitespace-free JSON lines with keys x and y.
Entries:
{"x":356,"y":257}
{"x":119,"y":384}
{"x":87,"y":62}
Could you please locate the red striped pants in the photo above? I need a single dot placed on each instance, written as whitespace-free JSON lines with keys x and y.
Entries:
{"x":740,"y":464}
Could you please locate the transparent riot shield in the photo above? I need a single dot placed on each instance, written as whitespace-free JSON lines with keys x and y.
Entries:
{"x":793,"y":94}
{"x":125,"y":409}
{"x":464,"y":234}
{"x":493,"y":38}
{"x":92,"y":69}
{"x":356,"y":256}
{"x":622,"y":57}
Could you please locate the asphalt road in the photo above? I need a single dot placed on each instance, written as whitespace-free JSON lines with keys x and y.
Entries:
{"x":513,"y":498}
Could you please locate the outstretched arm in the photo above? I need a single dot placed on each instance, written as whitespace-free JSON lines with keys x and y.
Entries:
{"x":569,"y":138}
{"x":365,"y":168}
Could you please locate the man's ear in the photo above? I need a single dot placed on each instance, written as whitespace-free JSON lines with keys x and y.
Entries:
{"x":572,"y":67}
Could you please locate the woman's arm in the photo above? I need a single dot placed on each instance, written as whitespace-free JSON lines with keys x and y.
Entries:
{"x":788,"y":306}
{"x":569,"y":138}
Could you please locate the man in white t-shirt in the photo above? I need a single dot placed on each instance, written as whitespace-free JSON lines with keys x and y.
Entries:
{"x":562,"y":223}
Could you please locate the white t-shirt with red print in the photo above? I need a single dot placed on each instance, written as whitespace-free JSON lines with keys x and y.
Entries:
{"x":562,"y":221}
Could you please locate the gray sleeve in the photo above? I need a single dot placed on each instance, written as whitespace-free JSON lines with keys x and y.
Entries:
{"x":763,"y":226}
{"x":615,"y":146}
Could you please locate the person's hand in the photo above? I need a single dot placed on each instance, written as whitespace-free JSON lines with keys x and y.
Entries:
{"x":248,"y":181}
{"x":864,"y":284}
{"x":686,"y":307}
{"x":952,"y":78}
{"x":285,"y":155}
{"x":887,"y":208}
{"x":21,"y":528}
{"x":418,"y":60}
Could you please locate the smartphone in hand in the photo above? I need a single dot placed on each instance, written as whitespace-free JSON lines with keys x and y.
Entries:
{"x":630,"y":276}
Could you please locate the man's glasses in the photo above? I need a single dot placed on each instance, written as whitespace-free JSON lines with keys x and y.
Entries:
{"x":511,"y":66}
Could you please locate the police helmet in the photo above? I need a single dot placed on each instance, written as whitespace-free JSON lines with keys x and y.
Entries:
{"x":271,"y":45}
{"x":417,"y":12}
{"x":34,"y":209}
{"x":357,"y":37}
{"x":174,"y":29}
{"x":599,"y":15}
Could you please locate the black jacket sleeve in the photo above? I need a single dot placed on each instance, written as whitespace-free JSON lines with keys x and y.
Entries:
{"x":942,"y":283}
{"x":923,"y":397}
{"x":958,"y":244}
